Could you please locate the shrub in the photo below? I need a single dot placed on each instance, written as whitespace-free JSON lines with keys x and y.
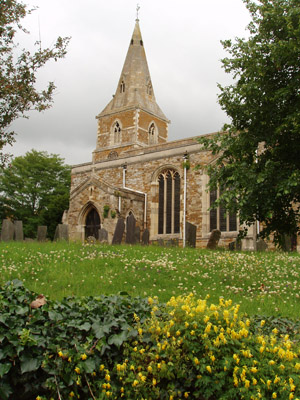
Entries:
{"x":134,"y":348}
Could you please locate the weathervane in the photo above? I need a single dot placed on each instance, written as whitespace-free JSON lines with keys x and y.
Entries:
{"x":137,"y":11}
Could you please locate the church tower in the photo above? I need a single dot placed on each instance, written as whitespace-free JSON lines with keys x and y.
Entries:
{"x":132,"y":119}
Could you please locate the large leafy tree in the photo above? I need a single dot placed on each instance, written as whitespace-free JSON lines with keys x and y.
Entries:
{"x":35,"y":189}
{"x":18,"y":68}
{"x":259,"y":151}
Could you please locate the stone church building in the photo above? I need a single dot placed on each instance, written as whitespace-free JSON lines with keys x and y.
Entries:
{"x":136,"y":170}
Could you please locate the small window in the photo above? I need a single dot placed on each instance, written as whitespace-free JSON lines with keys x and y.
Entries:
{"x":117,"y":132}
{"x":122,"y":87}
{"x":149,"y":89}
{"x":141,"y":42}
{"x":131,"y":41}
{"x":152,"y":133}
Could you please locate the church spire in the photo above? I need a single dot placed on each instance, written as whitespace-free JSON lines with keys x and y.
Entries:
{"x":135,"y":87}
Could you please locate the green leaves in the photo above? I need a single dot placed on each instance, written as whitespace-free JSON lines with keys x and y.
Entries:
{"x":259,"y":151}
{"x":18,"y":69}
{"x":35,"y":189}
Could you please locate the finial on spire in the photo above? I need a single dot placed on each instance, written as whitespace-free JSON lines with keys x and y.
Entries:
{"x":137,"y":11}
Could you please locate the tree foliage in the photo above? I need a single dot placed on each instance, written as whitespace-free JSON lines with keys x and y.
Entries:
{"x":258,"y":152}
{"x":18,"y":68}
{"x":35,"y":189}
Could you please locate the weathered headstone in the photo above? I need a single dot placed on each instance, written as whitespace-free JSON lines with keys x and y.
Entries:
{"x":190,"y":234}
{"x":161,"y":242}
{"x":287,"y":243}
{"x":119,"y":231}
{"x":137,"y":234}
{"x":42,"y":233}
{"x":7,"y":231}
{"x":261,"y":245}
{"x":103,"y":236}
{"x":61,"y":232}
{"x":130,"y":229}
{"x":238,"y":244}
{"x":145,"y":237}
{"x":18,"y":235}
{"x":213,"y":239}
{"x":231,"y":246}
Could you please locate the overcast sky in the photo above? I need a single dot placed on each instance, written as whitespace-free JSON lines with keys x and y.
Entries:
{"x":182,"y":43}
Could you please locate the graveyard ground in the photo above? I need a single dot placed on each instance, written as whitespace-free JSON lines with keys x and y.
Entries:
{"x":262,"y":283}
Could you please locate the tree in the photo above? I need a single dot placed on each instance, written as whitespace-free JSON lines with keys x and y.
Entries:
{"x":35,"y":189}
{"x":18,"y":69}
{"x":258,"y":152}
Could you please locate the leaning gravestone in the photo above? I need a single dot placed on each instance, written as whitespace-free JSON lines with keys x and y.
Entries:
{"x":214,"y":239}
{"x":103,"y":235}
{"x":137,"y":234}
{"x":19,"y":235}
{"x":190,"y":234}
{"x":161,"y":242}
{"x":130,"y":229}
{"x":145,"y":237}
{"x":261,"y":245}
{"x":61,"y":232}
{"x":7,"y":231}
{"x":119,"y":231}
{"x":41,"y":233}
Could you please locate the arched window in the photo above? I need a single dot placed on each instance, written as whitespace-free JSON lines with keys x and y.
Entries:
{"x":169,"y":202}
{"x":92,"y":224}
{"x":152,"y":134}
{"x":219,"y":218}
{"x":122,"y":87}
{"x":117,"y":132}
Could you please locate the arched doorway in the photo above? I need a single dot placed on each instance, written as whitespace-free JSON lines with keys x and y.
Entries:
{"x":92,"y":224}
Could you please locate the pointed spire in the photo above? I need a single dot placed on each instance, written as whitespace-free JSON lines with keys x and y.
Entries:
{"x":135,"y":86}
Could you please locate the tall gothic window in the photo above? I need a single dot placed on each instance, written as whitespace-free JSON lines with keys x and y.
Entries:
{"x":169,"y":202}
{"x":219,"y":218}
{"x":117,"y":132}
{"x":152,"y":134}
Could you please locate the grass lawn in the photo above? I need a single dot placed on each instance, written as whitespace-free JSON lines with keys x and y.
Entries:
{"x":262,"y":283}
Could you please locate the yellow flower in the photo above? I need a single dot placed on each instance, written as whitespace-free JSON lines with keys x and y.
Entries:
{"x":72,"y":394}
{"x":135,"y":383}
{"x":291,"y":396}
{"x":208,"y":367}
{"x":83,"y":356}
{"x":196,"y":361}
{"x":122,"y":390}
{"x":77,"y":370}
{"x":140,"y":331}
{"x":153,"y":381}
{"x":212,"y":358}
{"x":271,"y":362}
{"x":262,"y":322}
{"x":254,"y":381}
{"x":38,"y":398}
{"x":247,"y":383}
{"x":60,"y":353}
{"x":149,"y":368}
{"x":107,"y":377}
{"x":69,"y":359}
{"x":101,"y":368}
{"x":274,"y":395}
{"x":177,"y":333}
{"x":192,"y":332}
{"x":186,"y":395}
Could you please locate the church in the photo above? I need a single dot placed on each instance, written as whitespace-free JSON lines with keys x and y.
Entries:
{"x":136,"y":170}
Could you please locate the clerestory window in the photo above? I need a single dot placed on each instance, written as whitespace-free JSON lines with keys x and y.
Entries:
{"x":169,"y":202}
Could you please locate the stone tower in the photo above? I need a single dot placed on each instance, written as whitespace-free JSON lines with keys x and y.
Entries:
{"x":132,"y":119}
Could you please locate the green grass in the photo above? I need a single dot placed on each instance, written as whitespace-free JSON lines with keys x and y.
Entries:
{"x":262,"y":283}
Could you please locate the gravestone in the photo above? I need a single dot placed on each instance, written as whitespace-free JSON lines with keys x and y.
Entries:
{"x":19,"y":235}
{"x":137,"y":234}
{"x":119,"y":231}
{"x":145,"y":237}
{"x":261,"y":245}
{"x":130,"y":229}
{"x":231,"y":246}
{"x":103,"y":236}
{"x":61,"y":232}
{"x":238,"y":244}
{"x":161,"y":242}
{"x":190,"y":234}
{"x":7,"y":231}
{"x":42,"y":233}
{"x":213,"y":239}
